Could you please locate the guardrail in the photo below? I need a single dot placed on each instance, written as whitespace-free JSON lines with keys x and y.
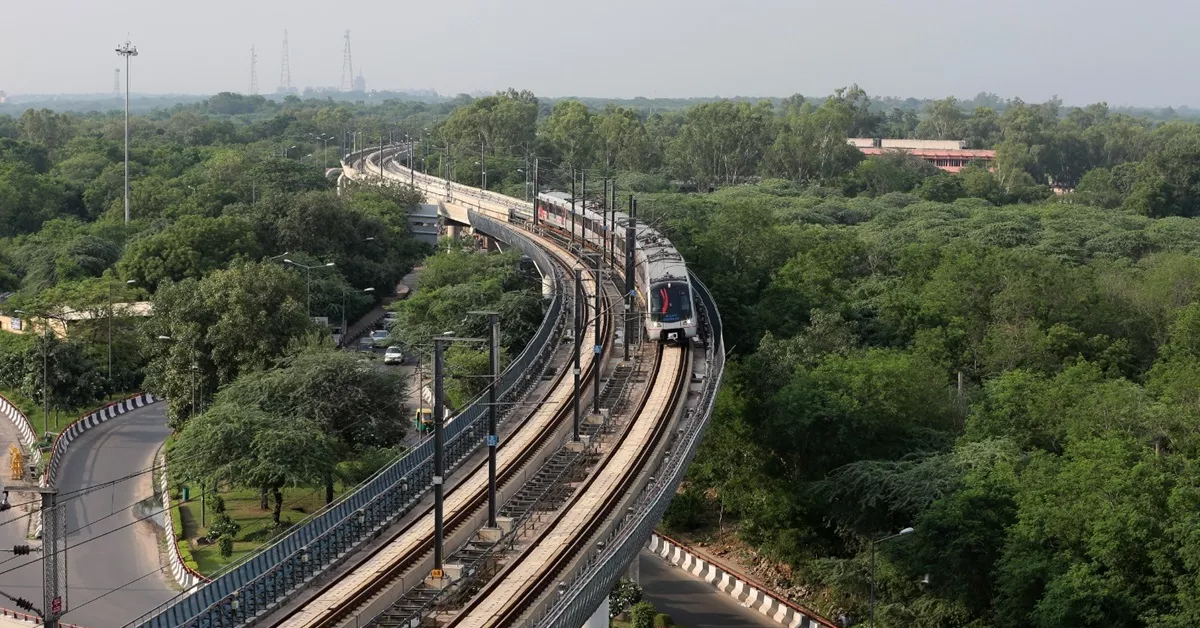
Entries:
{"x":595,"y":576}
{"x":262,"y":581}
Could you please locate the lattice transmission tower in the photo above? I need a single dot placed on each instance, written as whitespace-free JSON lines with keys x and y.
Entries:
{"x":117,"y":82}
{"x":285,"y":70}
{"x":253,"y":71}
{"x":347,"y":67}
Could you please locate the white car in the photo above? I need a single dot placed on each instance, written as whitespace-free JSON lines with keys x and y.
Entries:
{"x":379,"y":337}
{"x":393,"y":355}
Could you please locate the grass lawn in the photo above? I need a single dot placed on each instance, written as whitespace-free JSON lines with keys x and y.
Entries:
{"x":243,"y":507}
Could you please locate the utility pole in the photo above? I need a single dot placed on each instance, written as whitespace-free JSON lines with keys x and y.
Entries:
{"x":630,"y":235}
{"x":577,"y":340}
{"x":483,"y":162}
{"x":493,"y":440}
{"x":439,"y":462}
{"x":583,"y":208}
{"x":599,"y":257}
{"x":572,"y":206}
{"x":127,"y":50}
{"x":604,"y":224}
{"x":536,"y":220}
{"x":54,"y":558}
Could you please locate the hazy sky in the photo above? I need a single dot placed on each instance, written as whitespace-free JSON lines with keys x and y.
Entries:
{"x":1139,"y":53}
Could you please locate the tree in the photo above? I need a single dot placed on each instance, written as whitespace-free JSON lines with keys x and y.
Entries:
{"x":569,"y":132}
{"x":623,"y":140}
{"x":252,"y":449}
{"x":232,"y":321}
{"x":721,"y":143}
{"x":944,"y":120}
{"x":942,"y":188}
{"x":191,"y":247}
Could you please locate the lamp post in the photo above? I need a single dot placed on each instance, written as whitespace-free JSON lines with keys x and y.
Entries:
{"x":875,"y":542}
{"x":127,"y":50}
{"x":324,"y":149}
{"x":308,"y":273}
{"x":345,"y":332}
{"x":46,"y":365}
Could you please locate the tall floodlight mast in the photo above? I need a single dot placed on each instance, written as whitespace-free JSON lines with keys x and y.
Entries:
{"x":127,"y":50}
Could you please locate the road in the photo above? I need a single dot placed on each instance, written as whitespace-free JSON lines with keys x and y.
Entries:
{"x":689,"y":601}
{"x":122,"y":447}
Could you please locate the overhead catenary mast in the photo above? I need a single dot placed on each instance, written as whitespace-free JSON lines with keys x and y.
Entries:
{"x":285,"y":70}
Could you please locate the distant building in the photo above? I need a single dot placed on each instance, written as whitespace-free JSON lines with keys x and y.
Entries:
{"x":360,"y":83}
{"x":3,"y":97}
{"x":61,"y":322}
{"x":949,"y":155}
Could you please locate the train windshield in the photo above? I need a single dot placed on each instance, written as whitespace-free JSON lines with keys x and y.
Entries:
{"x":670,"y":302}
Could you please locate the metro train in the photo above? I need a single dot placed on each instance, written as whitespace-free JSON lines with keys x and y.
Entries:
{"x":660,"y":275}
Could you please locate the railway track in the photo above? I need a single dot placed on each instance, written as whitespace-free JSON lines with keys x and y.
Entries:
{"x":505,"y":598}
{"x":384,"y":566}
{"x":521,"y":582}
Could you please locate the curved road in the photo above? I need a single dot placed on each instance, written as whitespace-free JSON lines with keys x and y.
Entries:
{"x":123,"y":446}
{"x":691,"y":601}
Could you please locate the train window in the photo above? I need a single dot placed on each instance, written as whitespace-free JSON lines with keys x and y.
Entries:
{"x":670,"y":302}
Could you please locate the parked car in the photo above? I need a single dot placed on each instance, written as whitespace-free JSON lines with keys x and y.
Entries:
{"x":379,"y":337}
{"x":393,"y":355}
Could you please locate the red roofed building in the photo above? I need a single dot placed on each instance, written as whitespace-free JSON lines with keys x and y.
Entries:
{"x":949,"y":155}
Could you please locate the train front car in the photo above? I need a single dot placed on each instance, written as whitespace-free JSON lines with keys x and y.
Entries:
{"x":670,"y":316}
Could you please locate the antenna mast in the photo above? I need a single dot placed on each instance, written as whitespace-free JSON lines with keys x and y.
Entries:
{"x":347,"y":67}
{"x":285,"y":72}
{"x":253,"y":72}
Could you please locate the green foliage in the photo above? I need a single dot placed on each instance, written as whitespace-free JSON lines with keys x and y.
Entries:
{"x":232,"y":321}
{"x":624,"y":595}
{"x":642,"y":615}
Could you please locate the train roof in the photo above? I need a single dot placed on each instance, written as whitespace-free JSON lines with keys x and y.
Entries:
{"x":664,"y":263}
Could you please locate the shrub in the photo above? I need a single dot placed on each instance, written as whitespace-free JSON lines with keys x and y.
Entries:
{"x":663,"y":620}
{"x":685,"y":513}
{"x":642,"y":615}
{"x":625,"y":594}
{"x":226,"y":545}
{"x":223,"y":527}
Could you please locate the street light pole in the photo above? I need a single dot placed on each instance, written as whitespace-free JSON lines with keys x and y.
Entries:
{"x":308,"y":273}
{"x":875,"y":542}
{"x":127,"y":50}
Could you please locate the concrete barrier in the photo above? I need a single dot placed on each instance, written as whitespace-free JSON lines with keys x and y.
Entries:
{"x":184,"y":576}
{"x":28,"y":436}
{"x":749,"y":593}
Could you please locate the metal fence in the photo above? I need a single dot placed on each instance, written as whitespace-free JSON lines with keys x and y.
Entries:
{"x":266,"y":579}
{"x":582,"y":591}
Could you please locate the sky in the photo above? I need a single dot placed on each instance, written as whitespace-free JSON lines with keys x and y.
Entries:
{"x":1123,"y":53}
